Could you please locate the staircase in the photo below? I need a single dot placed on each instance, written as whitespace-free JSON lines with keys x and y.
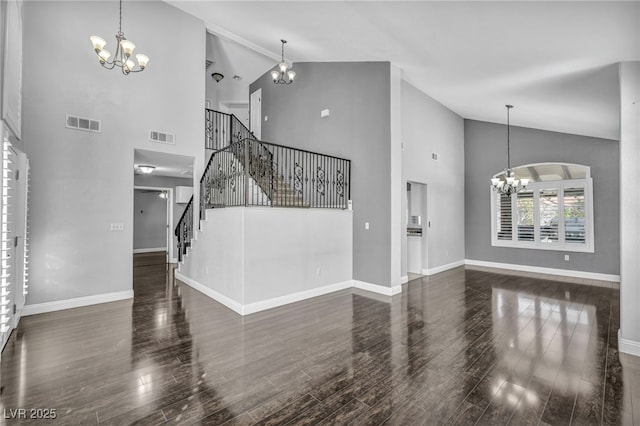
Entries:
{"x":243,"y":171}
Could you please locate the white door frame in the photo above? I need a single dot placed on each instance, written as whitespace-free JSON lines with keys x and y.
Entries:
{"x":424,"y":246}
{"x":169,"y":236}
{"x":255,"y":113}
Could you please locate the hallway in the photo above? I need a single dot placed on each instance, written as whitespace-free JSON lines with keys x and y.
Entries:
{"x":460,"y":347}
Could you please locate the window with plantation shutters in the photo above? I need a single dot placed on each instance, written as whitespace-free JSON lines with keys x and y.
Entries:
{"x":7,"y":295}
{"x":548,"y":206}
{"x":574,"y":215}
{"x":555,"y":212}
{"x":504,"y":218}
{"x":525,"y":216}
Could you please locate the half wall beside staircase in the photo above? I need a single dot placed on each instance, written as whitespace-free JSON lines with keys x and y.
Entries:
{"x":246,"y":172}
{"x":285,"y":232}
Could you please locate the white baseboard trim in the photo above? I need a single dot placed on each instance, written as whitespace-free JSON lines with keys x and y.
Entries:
{"x":404,"y":279}
{"x":149,"y":250}
{"x":237,"y":307}
{"x":630,"y":347}
{"x":543,"y":270}
{"x":295,"y":297}
{"x":59,"y":305}
{"x":263,"y":305}
{"x":438,"y":269}
{"x":380,"y":289}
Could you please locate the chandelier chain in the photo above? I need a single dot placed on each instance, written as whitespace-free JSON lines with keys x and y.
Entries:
{"x":120,"y":27}
{"x":508,"y":140}
{"x":508,"y":184}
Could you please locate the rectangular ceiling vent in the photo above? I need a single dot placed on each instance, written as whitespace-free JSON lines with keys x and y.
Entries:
{"x":82,"y":123}
{"x":161,"y":137}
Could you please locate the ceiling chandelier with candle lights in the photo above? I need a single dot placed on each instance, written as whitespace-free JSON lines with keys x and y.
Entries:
{"x":123,"y":55}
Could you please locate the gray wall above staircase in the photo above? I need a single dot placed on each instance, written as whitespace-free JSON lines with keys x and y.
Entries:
{"x":357,"y":95}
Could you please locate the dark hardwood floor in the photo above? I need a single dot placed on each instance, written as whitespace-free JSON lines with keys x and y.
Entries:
{"x":461,"y":347}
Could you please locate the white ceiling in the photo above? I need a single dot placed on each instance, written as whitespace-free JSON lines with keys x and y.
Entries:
{"x":231,"y":58}
{"x":171,"y":165}
{"x":555,"y":61}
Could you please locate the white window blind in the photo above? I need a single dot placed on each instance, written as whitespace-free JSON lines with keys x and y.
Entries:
{"x":525,"y":215}
{"x":25,"y":275}
{"x":549,"y":215}
{"x":549,"y":209}
{"x":6,"y":243}
{"x":574,"y":216}
{"x":504,"y":218}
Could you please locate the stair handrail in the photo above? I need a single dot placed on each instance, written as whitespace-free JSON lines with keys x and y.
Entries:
{"x":231,"y":123}
{"x":183,"y":232}
{"x":282,"y":176}
{"x":260,"y":173}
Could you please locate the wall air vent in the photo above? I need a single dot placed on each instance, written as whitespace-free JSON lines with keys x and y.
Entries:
{"x":161,"y":137}
{"x":208,"y":63}
{"x":82,"y":123}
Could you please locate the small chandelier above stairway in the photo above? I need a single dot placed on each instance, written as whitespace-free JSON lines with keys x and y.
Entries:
{"x":283,"y":74}
{"x":124,"y":50}
{"x":509,"y":185}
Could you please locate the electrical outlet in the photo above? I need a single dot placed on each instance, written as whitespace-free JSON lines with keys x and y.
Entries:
{"x":117,"y":226}
{"x":366,"y":225}
{"x":318,"y":270}
{"x":566,"y":257}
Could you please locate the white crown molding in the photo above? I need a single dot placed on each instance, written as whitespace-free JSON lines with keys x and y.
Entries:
{"x":229,"y":35}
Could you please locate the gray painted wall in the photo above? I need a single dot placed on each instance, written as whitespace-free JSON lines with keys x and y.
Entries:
{"x":428,"y":126}
{"x":149,"y":220}
{"x":165,"y":182}
{"x":358,"y":97}
{"x":485,"y":155}
{"x":82,"y":182}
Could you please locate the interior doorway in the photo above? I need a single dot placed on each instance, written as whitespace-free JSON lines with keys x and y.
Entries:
{"x":152,"y":219}
{"x":417,"y":225}
{"x":173,"y":175}
{"x":256,"y":113}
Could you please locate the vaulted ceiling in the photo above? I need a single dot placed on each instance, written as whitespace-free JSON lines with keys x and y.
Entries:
{"x":555,"y":61}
